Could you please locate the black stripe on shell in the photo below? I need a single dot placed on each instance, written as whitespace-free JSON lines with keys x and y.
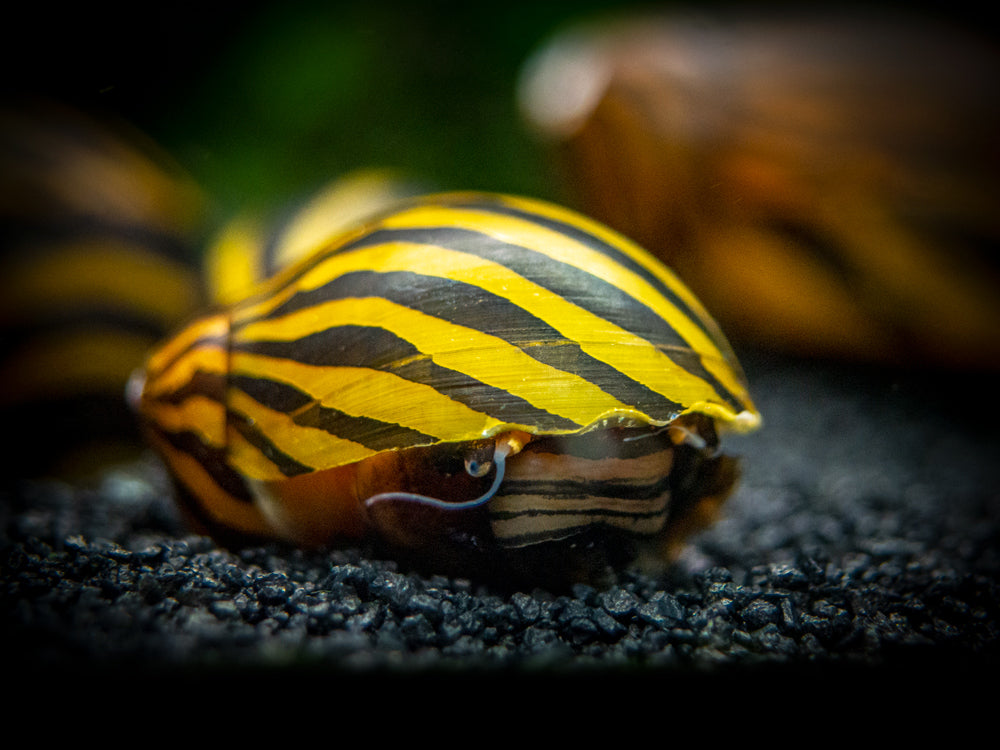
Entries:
{"x":595,"y":243}
{"x":590,"y":292}
{"x":475,"y":308}
{"x":305,"y":411}
{"x":378,"y":349}
{"x":212,"y":460}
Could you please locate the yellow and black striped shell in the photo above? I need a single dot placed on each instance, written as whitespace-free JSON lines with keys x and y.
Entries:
{"x":385,"y":381}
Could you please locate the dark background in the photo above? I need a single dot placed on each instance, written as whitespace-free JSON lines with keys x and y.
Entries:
{"x":261,"y":100}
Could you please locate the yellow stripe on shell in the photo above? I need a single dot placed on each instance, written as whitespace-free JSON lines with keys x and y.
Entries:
{"x":197,"y":414}
{"x":208,"y":358}
{"x":249,"y":460}
{"x":638,"y":254}
{"x":310,"y":446}
{"x":215,"y":502}
{"x":564,"y":249}
{"x":213,"y":328}
{"x":486,"y":358}
{"x":375,"y":394}
{"x":630,"y":354}
{"x":552,"y":527}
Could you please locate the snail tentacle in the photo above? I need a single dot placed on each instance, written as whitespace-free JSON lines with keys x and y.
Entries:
{"x":503,"y":449}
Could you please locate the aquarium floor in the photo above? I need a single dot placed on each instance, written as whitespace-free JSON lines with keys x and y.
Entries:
{"x":863,"y":539}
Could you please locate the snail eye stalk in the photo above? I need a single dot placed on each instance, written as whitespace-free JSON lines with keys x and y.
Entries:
{"x":474,"y":468}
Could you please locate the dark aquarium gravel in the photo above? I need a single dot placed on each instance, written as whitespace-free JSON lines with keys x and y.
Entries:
{"x":863,"y":538}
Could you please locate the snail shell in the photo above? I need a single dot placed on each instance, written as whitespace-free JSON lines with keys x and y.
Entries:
{"x":464,"y":376}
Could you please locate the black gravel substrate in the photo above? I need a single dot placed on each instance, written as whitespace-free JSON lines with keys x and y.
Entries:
{"x":864,"y":537}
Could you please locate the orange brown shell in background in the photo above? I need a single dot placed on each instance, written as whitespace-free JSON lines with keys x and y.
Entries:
{"x":827,"y":183}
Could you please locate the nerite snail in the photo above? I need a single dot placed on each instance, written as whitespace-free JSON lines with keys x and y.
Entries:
{"x":469,"y":377}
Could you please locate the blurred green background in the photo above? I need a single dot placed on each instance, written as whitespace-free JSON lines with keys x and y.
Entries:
{"x":261,"y":101}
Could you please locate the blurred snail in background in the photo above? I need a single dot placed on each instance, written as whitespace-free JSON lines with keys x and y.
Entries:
{"x":825,"y":182}
{"x":100,"y":236}
{"x":252,"y":247}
